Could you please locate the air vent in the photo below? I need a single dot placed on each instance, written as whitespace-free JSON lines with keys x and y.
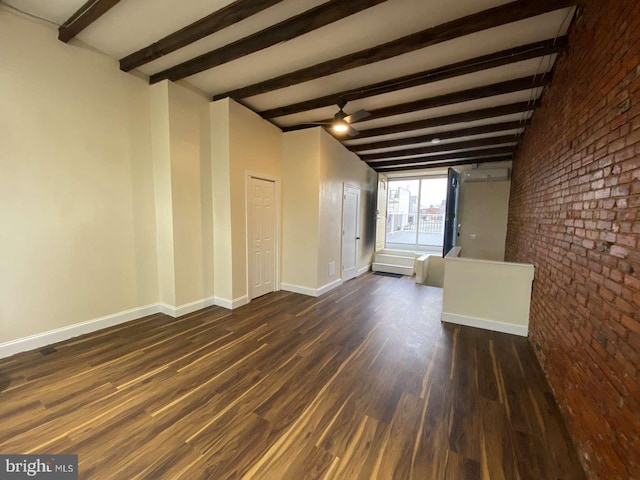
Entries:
{"x":486,"y":175}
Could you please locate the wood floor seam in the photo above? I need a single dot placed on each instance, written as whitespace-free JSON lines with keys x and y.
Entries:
{"x":363,"y":383}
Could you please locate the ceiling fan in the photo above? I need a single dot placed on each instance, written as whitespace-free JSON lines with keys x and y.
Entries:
{"x":341,"y":122}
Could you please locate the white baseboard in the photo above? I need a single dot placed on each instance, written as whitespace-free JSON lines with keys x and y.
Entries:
{"x":311,"y":292}
{"x":364,"y":269}
{"x":65,"y":333}
{"x":231,"y":304}
{"x":329,"y":286}
{"x":288,"y":287}
{"x":186,"y":308}
{"x":493,"y":325}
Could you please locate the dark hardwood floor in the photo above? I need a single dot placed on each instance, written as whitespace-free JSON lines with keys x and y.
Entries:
{"x":364,"y":382}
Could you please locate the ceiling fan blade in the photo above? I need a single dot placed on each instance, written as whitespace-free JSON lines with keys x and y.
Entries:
{"x":357,"y":116}
{"x":352,"y":132}
{"x":340,"y":134}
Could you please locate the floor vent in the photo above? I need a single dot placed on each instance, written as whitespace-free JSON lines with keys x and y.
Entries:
{"x":388,"y":274}
{"x":48,"y":350}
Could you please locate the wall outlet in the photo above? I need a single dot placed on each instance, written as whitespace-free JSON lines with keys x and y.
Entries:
{"x":473,"y":236}
{"x":332,"y":268}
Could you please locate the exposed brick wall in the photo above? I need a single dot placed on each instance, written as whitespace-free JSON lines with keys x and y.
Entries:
{"x":575,"y":214}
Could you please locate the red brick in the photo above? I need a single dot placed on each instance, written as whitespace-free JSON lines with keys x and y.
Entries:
{"x":575,"y":213}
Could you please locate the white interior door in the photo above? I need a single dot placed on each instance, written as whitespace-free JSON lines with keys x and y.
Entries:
{"x":381,"y":214}
{"x":261,"y":230}
{"x":350,"y":237}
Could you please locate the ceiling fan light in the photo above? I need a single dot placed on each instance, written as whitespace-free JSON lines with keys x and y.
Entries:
{"x":340,"y":127}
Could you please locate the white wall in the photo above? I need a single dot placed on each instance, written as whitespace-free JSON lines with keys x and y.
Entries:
{"x":76,"y":184}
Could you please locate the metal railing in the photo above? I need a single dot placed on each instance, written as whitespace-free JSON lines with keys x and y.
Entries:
{"x":406,"y":222}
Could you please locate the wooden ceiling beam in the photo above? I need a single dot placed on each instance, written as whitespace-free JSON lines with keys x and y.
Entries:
{"x":463,"y":132}
{"x":458,"y":163}
{"x":83,"y":17}
{"x":498,"y":59}
{"x":288,"y":29}
{"x":493,"y":17}
{"x":470,"y":116}
{"x":487,"y":152}
{"x":444,"y":147}
{"x":218,"y":20}
{"x":501,"y":88}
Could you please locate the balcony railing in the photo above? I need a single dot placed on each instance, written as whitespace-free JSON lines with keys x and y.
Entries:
{"x":403,"y":230}
{"x":406,"y":222}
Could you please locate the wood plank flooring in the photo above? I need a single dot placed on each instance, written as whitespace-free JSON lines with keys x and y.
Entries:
{"x":362,"y":383}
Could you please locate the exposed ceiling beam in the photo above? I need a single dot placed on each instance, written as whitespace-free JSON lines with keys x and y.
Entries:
{"x":463,"y":132}
{"x":494,"y":17}
{"x":501,"y":88}
{"x":470,"y":116}
{"x":218,"y":20}
{"x":445,"y":147}
{"x":498,"y":151}
{"x":504,"y":57}
{"x":423,"y":166}
{"x":473,"y":115}
{"x":84,"y":16}
{"x":288,"y":29}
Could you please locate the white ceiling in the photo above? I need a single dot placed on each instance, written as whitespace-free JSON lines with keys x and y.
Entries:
{"x":134,"y":24}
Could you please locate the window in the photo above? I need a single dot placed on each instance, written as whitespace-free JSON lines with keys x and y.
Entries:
{"x":415,"y":213}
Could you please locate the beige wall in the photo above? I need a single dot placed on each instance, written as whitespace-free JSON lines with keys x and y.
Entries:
{"x":300,"y":206}
{"x":339,"y":166}
{"x":221,"y":194}
{"x":316,"y":167}
{"x":255,"y":148}
{"x":483,"y":211}
{"x":161,"y":149}
{"x":242,"y":143}
{"x":182,"y":178}
{"x":76,"y":184}
{"x":486,"y":294}
{"x":115,"y":195}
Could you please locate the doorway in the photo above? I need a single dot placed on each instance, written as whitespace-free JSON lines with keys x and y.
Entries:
{"x":261,"y":232}
{"x":451,"y":211}
{"x":350,"y":236}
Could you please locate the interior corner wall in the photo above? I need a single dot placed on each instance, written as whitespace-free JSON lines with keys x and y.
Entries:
{"x":575,"y":214}
{"x":221,"y":195}
{"x":161,"y":148}
{"x":300,"y":207}
{"x":77,"y":240}
{"x":255,"y":147}
{"x":242,"y":143}
{"x":190,"y":147}
{"x":339,"y":166}
{"x":182,"y":176}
